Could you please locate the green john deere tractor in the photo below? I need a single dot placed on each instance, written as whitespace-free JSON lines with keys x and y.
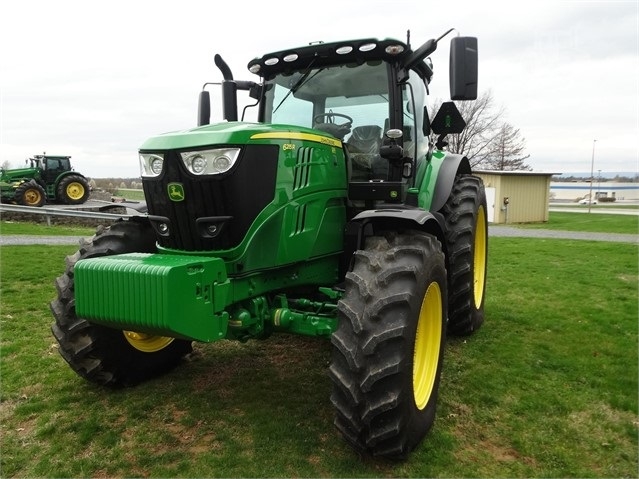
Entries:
{"x":337,"y":214}
{"x":46,"y":178}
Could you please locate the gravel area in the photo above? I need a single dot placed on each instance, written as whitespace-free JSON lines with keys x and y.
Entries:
{"x":43,"y":240}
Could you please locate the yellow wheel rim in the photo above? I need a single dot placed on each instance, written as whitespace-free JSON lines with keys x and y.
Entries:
{"x":479,"y":259}
{"x":32,"y":197}
{"x":427,"y":344}
{"x":75,"y":190}
{"x":146,"y":342}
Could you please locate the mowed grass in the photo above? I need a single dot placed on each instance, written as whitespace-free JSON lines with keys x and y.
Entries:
{"x":546,"y":388}
{"x":41,"y":229}
{"x":595,"y":222}
{"x":130,"y":194}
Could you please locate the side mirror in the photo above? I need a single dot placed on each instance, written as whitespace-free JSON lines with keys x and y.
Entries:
{"x":463,"y":67}
{"x":204,"y":108}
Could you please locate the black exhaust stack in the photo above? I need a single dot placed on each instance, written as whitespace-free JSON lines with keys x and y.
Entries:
{"x":229,"y":95}
{"x":229,"y":90}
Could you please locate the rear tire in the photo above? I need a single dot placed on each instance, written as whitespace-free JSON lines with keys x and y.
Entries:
{"x":73,"y":190}
{"x":467,"y":244}
{"x":103,"y":355}
{"x":30,"y":193}
{"x":388,"y":347}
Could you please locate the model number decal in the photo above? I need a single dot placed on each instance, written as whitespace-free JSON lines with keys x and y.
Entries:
{"x":292,"y":135}
{"x":288,"y":146}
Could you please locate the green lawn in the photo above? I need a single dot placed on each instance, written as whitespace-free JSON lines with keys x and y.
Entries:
{"x":546,"y":388}
{"x":130,"y":194}
{"x":28,"y":228}
{"x":595,"y":222}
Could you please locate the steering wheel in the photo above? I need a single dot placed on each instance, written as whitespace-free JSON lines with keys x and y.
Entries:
{"x":332,"y":128}
{"x":330,"y":118}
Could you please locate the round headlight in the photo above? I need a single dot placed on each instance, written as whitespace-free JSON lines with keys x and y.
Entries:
{"x":156,"y":165}
{"x":222,"y":163}
{"x":198,"y":164}
{"x":210,"y":162}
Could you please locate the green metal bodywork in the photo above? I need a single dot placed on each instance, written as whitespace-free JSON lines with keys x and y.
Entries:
{"x":153,"y":291}
{"x":283,"y":269}
{"x":11,"y":179}
{"x":296,"y":240}
{"x":308,"y":210}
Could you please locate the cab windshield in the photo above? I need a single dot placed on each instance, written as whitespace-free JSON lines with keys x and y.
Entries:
{"x":335,"y":94}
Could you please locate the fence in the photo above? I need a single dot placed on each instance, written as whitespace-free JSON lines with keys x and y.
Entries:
{"x":20,"y":212}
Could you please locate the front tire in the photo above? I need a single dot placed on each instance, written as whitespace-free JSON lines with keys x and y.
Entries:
{"x":388,"y":347}
{"x":73,"y":190}
{"x":467,"y":243}
{"x":30,"y":193}
{"x":103,"y":355}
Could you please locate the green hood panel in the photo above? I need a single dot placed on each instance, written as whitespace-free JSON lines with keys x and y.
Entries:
{"x":231,"y":133}
{"x":19,"y":173}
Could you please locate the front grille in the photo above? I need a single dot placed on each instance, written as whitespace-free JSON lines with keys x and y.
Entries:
{"x":231,"y":201}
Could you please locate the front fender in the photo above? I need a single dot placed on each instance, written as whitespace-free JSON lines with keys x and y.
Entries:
{"x":371,"y":222}
{"x":436,"y":177}
{"x":451,"y":166}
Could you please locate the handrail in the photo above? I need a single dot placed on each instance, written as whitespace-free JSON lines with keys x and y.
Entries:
{"x":64,"y":212}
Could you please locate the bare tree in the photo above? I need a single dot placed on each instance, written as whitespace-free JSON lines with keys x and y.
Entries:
{"x":488,"y":141}
{"x":482,"y":121}
{"x":506,"y":150}
{"x":6,"y":165}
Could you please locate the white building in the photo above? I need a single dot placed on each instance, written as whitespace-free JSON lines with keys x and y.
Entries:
{"x":577,"y":190}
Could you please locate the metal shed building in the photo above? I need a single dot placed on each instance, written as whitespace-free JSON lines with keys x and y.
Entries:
{"x":516,"y":196}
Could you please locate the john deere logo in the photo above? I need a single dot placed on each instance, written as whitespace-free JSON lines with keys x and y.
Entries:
{"x":448,"y":121}
{"x":176,"y":191}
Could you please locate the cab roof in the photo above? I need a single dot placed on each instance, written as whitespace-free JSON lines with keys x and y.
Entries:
{"x":336,"y":53}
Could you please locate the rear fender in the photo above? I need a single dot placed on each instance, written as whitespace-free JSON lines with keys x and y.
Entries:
{"x":64,"y":174}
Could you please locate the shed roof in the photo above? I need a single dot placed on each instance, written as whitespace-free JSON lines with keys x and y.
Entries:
{"x":515,"y":173}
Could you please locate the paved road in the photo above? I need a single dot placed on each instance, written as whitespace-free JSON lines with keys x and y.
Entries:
{"x":493,"y":230}
{"x":500,"y":230}
{"x":42,"y":240}
{"x":595,"y":210}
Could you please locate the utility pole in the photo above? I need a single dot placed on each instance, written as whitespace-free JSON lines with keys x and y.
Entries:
{"x":592,"y":174}
{"x":598,"y":184}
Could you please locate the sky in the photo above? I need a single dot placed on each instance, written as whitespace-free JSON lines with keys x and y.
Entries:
{"x":94,"y":80}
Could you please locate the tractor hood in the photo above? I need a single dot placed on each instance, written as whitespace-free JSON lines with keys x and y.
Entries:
{"x":233,"y":133}
{"x":18,"y":173}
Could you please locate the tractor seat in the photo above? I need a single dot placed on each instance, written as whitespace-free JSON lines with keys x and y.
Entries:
{"x":363,"y":148}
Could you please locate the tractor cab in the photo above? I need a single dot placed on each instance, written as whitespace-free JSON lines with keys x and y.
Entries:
{"x":370,"y":94}
{"x":358,"y":102}
{"x":52,"y":166}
